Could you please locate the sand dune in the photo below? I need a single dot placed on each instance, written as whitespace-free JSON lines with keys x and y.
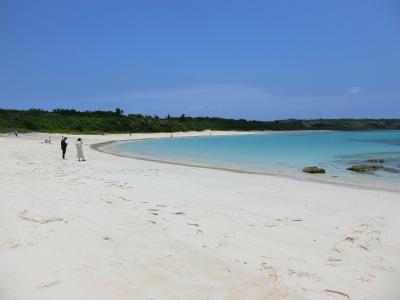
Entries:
{"x":121,"y":228}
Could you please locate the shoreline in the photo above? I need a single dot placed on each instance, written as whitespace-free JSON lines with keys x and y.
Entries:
{"x":305,"y":177}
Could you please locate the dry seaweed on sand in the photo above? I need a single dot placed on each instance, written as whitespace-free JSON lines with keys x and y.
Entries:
{"x":337,"y":292}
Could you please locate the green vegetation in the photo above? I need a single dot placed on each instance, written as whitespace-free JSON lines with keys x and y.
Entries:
{"x":72,"y":121}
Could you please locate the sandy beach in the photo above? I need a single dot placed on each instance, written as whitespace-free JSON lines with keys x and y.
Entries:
{"x":122,"y":228}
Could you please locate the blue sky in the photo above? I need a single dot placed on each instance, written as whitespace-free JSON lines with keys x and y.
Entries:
{"x":243,"y":59}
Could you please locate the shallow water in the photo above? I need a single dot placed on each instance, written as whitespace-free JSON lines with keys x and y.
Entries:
{"x":281,"y":153}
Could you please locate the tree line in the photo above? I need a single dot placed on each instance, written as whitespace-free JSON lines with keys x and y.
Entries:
{"x":99,"y":122}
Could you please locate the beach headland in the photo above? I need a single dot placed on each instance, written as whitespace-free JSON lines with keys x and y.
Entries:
{"x":122,"y":228}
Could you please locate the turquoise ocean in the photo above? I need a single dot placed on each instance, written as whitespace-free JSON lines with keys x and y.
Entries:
{"x":284,"y":153}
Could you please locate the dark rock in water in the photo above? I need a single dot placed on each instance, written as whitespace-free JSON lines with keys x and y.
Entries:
{"x":363,"y":168}
{"x":378,"y":160}
{"x":371,"y":168}
{"x":391,"y":170}
{"x":314,"y":170}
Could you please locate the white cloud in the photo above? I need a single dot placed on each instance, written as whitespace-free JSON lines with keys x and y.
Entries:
{"x":354,"y":90}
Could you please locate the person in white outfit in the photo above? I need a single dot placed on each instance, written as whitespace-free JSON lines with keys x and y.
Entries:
{"x":79,"y":149}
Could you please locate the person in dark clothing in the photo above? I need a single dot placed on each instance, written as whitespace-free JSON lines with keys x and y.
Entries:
{"x":64,"y":145}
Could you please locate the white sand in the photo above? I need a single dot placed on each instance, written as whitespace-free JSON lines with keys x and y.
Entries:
{"x":121,"y":228}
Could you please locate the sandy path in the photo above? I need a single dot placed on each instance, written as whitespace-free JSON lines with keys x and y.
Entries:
{"x":120,"y":228}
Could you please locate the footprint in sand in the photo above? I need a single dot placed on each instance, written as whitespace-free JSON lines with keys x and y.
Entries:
{"x":363,"y":238}
{"x":269,"y":270}
{"x":266,"y":285}
{"x":15,"y":244}
{"x":50,"y":284}
{"x":301,"y":274}
{"x":124,"y":199}
{"x":40,"y":220}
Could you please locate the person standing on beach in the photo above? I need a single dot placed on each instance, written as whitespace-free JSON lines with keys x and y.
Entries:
{"x":79,"y":149}
{"x":64,"y":145}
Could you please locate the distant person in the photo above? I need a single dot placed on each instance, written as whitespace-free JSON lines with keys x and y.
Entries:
{"x":64,"y":145}
{"x":79,"y":149}
{"x":16,"y":133}
{"x":130,"y":134}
